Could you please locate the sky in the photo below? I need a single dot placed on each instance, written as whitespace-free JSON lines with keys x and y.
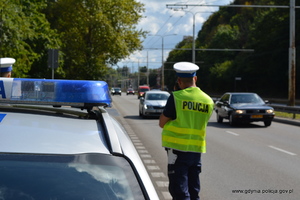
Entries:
{"x":166,"y":27}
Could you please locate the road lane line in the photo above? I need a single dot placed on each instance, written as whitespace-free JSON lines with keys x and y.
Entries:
{"x":282,"y":150}
{"x":166,"y":195}
{"x":232,"y":133}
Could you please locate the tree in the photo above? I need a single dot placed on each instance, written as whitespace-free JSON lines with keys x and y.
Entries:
{"x":265,"y":30}
{"x":95,"y":33}
{"x":25,"y":34}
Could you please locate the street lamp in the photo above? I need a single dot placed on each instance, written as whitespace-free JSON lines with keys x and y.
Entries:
{"x":162,"y":60}
{"x":194,"y":42}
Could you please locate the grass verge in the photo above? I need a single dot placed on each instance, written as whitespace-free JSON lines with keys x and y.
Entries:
{"x":287,"y":115}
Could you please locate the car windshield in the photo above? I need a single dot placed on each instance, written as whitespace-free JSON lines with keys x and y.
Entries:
{"x":117,"y":89}
{"x":246,"y":98}
{"x":157,"y":97}
{"x":85,"y":176}
{"x":144,"y":89}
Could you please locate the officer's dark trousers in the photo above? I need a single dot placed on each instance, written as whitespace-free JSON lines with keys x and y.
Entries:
{"x":184,"y":182}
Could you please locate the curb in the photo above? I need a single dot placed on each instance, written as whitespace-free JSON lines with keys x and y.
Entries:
{"x":287,"y":121}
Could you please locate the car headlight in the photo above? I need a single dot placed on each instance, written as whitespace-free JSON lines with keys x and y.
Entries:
{"x":270,"y":111}
{"x":148,"y":106}
{"x":240,"y":111}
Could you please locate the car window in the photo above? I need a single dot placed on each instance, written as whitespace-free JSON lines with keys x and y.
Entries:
{"x":157,"y":97}
{"x":246,"y":98}
{"x":144,"y":89}
{"x":85,"y":176}
{"x":225,"y":97}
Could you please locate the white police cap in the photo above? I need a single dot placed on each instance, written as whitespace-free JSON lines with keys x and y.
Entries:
{"x":6,"y":64}
{"x":185,"y":69}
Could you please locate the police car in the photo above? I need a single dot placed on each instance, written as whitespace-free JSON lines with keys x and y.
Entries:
{"x":57,"y":141}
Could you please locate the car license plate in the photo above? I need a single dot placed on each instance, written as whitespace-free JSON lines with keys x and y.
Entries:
{"x":256,"y":116}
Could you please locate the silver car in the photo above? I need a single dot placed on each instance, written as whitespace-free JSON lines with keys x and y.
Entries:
{"x":153,"y":103}
{"x":58,"y":141}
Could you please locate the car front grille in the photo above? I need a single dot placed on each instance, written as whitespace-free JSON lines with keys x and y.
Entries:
{"x":158,"y":107}
{"x":255,"y":111}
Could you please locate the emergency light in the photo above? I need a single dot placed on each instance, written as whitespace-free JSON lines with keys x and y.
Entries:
{"x":82,"y":93}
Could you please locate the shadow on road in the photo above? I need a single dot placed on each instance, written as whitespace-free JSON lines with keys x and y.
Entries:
{"x":226,"y":125}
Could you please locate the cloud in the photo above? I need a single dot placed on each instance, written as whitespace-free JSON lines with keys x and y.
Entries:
{"x":164,"y":22}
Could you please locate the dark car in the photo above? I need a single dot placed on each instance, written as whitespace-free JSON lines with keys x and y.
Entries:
{"x":130,"y":91}
{"x":243,"y":107}
{"x":116,"y":91}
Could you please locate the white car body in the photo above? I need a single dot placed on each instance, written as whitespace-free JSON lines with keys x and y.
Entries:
{"x":153,"y":103}
{"x":81,"y":136}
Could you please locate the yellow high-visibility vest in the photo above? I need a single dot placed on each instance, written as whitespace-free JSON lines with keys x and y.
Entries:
{"x":188,"y":131}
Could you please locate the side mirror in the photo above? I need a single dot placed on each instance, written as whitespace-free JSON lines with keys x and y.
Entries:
{"x":226,"y":103}
{"x":142,"y":99}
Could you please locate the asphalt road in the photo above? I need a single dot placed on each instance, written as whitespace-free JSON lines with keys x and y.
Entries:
{"x":244,"y":162}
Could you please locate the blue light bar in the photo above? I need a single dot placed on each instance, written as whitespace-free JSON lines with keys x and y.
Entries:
{"x":54,"y":92}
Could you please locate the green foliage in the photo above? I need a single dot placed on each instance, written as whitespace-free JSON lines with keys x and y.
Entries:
{"x":220,"y":69}
{"x":90,"y":35}
{"x":25,"y":34}
{"x":265,"y":30}
{"x":96,"y":33}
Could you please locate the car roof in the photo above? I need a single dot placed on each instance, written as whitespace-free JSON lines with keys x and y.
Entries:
{"x":156,"y":92}
{"x":30,"y":128}
{"x":240,"y":93}
{"x":22,"y":127}
{"x":27,"y":115}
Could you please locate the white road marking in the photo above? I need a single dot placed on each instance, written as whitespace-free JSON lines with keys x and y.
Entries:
{"x":158,"y":174}
{"x":145,"y":156}
{"x":142,"y":151}
{"x":167,"y":195}
{"x":153,"y":167}
{"x":282,"y":150}
{"x":162,"y":183}
{"x":232,"y":133}
{"x":149,"y":161}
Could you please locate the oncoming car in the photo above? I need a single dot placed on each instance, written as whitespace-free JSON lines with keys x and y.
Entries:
{"x":58,"y":141}
{"x":116,"y":91}
{"x":243,"y":107}
{"x":153,"y":103}
{"x":130,"y":91}
{"x":141,"y":90}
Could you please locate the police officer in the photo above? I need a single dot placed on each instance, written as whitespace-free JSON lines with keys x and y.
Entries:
{"x":6,"y":67}
{"x":184,"y":122}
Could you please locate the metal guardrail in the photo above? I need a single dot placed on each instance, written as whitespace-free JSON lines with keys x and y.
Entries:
{"x":287,"y":109}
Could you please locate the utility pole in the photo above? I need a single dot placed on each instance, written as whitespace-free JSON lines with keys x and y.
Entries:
{"x":292,"y":56}
{"x":162,"y":60}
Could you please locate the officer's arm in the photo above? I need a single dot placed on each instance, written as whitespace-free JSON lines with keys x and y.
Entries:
{"x":163,"y":120}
